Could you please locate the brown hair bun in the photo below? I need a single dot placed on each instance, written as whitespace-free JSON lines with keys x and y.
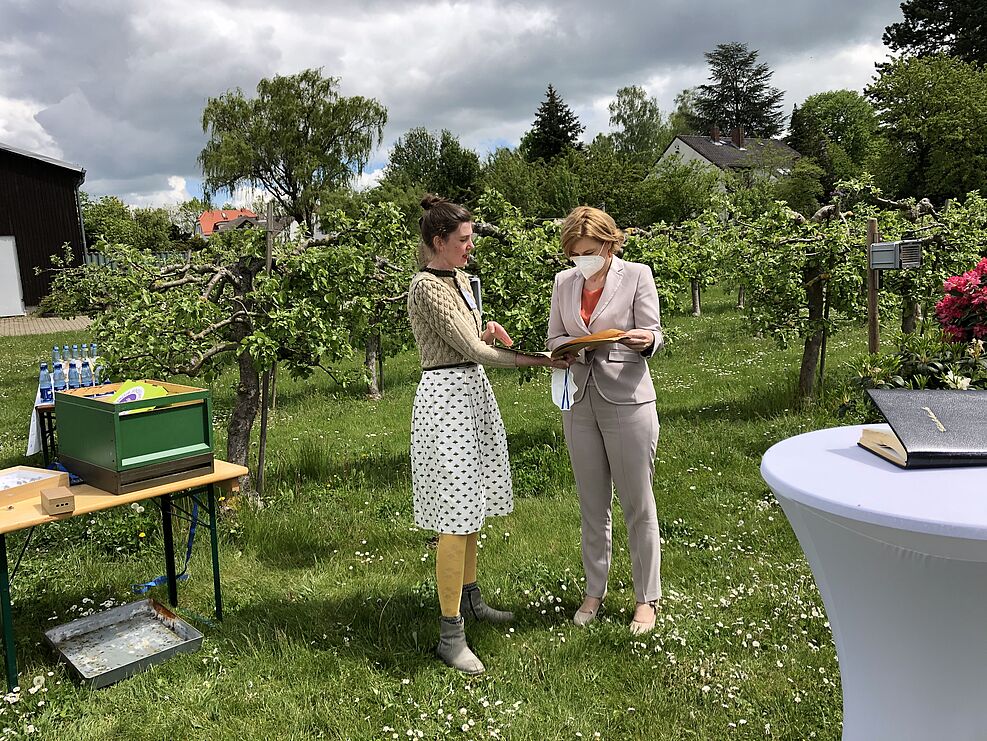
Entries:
{"x":431,"y":200}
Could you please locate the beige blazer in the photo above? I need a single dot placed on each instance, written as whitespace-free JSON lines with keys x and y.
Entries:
{"x":629,"y":301}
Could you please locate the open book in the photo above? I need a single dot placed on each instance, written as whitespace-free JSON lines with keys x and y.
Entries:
{"x":929,"y":428}
{"x":590,"y":341}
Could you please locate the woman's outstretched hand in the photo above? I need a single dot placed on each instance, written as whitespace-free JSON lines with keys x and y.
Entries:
{"x":638,"y":339}
{"x":545,"y":361}
{"x":496,"y":333}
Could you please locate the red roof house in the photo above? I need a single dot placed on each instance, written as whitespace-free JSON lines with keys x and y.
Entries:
{"x":212,"y":221}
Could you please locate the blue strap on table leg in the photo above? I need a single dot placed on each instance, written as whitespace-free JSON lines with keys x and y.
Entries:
{"x":158,"y":581}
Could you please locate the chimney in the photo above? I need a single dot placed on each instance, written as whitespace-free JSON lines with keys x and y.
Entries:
{"x":714,"y":133}
{"x":737,"y":137}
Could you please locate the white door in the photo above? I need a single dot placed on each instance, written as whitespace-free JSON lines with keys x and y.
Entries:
{"x":11,"y":297}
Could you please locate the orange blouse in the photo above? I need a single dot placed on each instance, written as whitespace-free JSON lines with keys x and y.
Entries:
{"x":589,"y":302}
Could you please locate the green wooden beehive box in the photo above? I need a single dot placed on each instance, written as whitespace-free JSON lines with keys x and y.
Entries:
{"x":124,"y":447}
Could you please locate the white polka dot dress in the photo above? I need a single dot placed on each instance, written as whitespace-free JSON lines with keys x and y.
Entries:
{"x":459,"y":465}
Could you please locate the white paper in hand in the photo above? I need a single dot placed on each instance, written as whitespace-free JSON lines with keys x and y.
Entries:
{"x":563,"y":388}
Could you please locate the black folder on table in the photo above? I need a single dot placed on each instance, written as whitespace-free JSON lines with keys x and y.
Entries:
{"x":932,"y":428}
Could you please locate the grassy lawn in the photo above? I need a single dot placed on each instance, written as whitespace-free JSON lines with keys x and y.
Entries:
{"x":331,"y":613}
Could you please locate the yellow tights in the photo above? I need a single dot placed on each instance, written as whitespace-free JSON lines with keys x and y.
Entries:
{"x":455,"y":565}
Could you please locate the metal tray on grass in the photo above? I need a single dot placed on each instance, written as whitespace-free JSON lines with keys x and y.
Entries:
{"x":113,"y":645}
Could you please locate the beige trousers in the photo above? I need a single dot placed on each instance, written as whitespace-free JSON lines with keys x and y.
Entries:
{"x":613,"y":446}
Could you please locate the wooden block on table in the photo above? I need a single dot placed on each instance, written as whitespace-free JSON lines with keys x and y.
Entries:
{"x":57,"y":501}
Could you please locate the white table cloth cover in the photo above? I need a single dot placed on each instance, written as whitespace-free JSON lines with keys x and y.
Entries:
{"x":34,"y":428}
{"x":900,"y":559}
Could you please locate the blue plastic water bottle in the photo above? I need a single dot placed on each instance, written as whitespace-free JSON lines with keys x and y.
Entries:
{"x":65,"y":355}
{"x":75,"y":352}
{"x":44,"y":381}
{"x":87,"y":374}
{"x":56,"y":357}
{"x":73,"y":375}
{"x":58,"y":378}
{"x":85,"y":350}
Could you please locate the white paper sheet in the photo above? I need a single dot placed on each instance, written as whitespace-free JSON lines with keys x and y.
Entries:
{"x":563,"y":388}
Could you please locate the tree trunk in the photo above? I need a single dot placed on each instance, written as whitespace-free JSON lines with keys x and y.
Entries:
{"x":910,"y":313}
{"x":247,"y":402}
{"x":813,"y":342}
{"x":274,"y":387}
{"x":245,"y":410}
{"x":370,"y":363}
{"x":741,"y":296}
{"x":697,"y":308}
{"x":822,"y":347}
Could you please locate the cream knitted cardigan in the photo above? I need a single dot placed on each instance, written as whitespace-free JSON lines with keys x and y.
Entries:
{"x":446,"y":330}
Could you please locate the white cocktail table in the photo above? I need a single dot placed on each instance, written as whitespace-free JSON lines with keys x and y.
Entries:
{"x":900,"y":558}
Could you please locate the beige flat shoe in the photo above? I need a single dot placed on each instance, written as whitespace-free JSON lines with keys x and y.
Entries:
{"x":639,"y":628}
{"x":585,"y":617}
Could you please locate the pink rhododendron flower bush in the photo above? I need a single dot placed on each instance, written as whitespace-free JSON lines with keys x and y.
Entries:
{"x":962,"y":312}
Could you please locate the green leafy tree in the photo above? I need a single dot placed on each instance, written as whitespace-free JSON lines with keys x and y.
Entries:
{"x":518,"y":181}
{"x":801,"y":187}
{"x":659,"y":248}
{"x":434,"y":164}
{"x":458,"y":171}
{"x":562,"y":182}
{"x":111,"y":220}
{"x":641,"y":134}
{"x":800,"y":274}
{"x":153,"y":229}
{"x":555,"y":129}
{"x":683,"y":118}
{"x":186,"y":215}
{"x":679,"y":191}
{"x":954,"y":27}
{"x":414,"y":157}
{"x":700,"y":253}
{"x":933,"y":127}
{"x":108,"y":219}
{"x":297,"y":139}
{"x":837,"y":131}
{"x":614,"y":182}
{"x":739,"y":93}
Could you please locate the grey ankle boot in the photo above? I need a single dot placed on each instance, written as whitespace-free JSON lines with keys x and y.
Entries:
{"x":472,"y":606}
{"x":452,"y":648}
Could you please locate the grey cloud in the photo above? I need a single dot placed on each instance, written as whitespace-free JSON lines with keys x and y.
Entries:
{"x":122,"y":86}
{"x":594,"y":52}
{"x":124,"y":101}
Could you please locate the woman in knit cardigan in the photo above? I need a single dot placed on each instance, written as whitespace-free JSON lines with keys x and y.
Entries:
{"x":459,"y":464}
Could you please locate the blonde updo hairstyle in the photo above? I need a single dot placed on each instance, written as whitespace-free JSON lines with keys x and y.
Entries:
{"x":441,"y":218}
{"x":586,"y":221}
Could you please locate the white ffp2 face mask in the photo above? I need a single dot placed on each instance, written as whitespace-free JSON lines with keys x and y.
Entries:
{"x":589,"y":265}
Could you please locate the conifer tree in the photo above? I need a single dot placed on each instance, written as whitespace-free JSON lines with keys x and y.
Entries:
{"x":738,"y":94}
{"x":555,"y":129}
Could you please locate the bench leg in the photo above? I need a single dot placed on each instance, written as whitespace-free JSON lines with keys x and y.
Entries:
{"x":214,"y":542}
{"x":169,"y":549}
{"x":9,"y":655}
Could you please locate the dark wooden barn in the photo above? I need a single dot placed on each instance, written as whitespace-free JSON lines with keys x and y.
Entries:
{"x":39,"y":212}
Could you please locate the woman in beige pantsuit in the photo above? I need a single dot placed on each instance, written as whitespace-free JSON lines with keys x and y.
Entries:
{"x":611,"y":429}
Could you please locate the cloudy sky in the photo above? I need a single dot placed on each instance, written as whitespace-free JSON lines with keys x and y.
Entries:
{"x":118,"y":86}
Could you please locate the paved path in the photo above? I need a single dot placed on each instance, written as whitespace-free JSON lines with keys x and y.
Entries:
{"x":16,"y":326}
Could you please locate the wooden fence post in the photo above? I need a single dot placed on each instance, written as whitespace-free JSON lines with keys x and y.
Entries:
{"x":266,"y":382}
{"x":873,"y":332}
